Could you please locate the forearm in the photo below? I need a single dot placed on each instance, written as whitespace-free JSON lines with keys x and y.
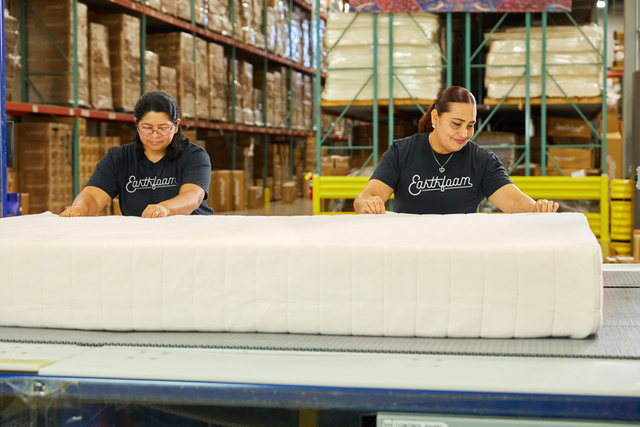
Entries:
{"x":184,"y":203}
{"x":360,"y":199}
{"x":86,"y":204}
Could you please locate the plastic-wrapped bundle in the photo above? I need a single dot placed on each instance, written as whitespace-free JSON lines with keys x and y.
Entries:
{"x":416,"y":60}
{"x":571,"y":59}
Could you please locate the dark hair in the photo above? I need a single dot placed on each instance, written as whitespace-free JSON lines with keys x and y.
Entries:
{"x":159,"y":102}
{"x":441,"y":105}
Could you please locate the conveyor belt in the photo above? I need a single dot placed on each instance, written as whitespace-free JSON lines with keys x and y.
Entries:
{"x":618,"y":338}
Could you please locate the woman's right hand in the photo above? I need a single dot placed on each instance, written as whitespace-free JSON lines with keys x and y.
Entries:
{"x":373,"y":205}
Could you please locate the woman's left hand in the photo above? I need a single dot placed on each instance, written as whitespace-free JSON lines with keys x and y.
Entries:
{"x":543,"y":205}
{"x":155,"y":211}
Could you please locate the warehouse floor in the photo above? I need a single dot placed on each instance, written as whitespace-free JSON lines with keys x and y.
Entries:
{"x":300,"y":206}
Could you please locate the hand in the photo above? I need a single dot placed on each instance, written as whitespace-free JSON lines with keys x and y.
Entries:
{"x":72,"y":211}
{"x":373,"y":205}
{"x":155,"y":211}
{"x":543,"y":205}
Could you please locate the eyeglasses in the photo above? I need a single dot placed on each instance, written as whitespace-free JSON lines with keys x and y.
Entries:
{"x":162,"y":130}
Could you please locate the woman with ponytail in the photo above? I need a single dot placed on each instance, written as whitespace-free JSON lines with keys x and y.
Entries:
{"x":439,"y":171}
{"x":160,"y":173}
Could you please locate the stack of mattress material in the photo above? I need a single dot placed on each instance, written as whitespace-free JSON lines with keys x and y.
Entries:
{"x":571,"y":58}
{"x":416,"y":54}
{"x":477,"y":275}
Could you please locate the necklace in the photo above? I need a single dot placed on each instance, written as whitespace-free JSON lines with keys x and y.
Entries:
{"x":436,"y":159}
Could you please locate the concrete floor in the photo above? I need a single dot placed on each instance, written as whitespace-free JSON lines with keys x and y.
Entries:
{"x":299,"y":207}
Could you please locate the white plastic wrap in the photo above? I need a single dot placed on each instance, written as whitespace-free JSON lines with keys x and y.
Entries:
{"x":415,"y":44}
{"x":572,"y":58}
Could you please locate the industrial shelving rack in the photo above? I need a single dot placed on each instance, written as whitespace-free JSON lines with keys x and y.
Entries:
{"x":148,"y":16}
{"x":471,"y":72}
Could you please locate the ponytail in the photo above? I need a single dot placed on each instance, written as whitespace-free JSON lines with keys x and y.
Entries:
{"x":441,"y":105}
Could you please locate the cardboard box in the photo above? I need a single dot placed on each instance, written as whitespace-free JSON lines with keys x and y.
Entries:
{"x":238,"y":191}
{"x":124,"y":50}
{"x":176,"y":50}
{"x":99,"y":68}
{"x":220,"y":191}
{"x":560,"y":126}
{"x":336,"y":165}
{"x":151,"y":71}
{"x":289,"y":192}
{"x":573,"y":158}
{"x":255,"y":197}
{"x":49,"y":39}
{"x":615,"y":165}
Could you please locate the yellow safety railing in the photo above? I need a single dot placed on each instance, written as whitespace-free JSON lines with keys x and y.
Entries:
{"x":536,"y":187}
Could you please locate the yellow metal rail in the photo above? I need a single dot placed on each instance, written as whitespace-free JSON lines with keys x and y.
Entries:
{"x":536,"y":187}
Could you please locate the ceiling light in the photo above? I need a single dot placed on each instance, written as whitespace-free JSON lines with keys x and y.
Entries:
{"x":600,"y":4}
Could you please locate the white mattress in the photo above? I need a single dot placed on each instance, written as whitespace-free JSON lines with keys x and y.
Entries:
{"x":478,"y":275}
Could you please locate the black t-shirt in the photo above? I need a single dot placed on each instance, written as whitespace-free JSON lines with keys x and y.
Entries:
{"x":472,"y":174}
{"x":140,"y":183}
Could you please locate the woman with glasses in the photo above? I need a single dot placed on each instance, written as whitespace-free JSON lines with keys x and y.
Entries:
{"x":161,"y":173}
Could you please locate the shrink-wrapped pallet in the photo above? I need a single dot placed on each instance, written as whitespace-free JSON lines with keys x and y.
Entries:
{"x":124,"y":48}
{"x":176,"y":51}
{"x":169,"y":81}
{"x":202,"y":80}
{"x":416,"y":56}
{"x":218,"y":82}
{"x":571,"y":60}
{"x":99,"y":67}
{"x":44,"y":165}
{"x":151,"y":71}
{"x":49,"y":24}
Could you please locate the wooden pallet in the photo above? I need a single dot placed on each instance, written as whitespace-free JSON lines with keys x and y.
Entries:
{"x":404,"y":102}
{"x":549,"y":101}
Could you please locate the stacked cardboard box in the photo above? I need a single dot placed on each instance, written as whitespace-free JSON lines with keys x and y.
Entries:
{"x":308,"y":120}
{"x":297,"y":99}
{"x":169,"y":81}
{"x":618,"y":51}
{"x":184,"y":10}
{"x":50,"y":22}
{"x":151,"y":71}
{"x":258,"y":107}
{"x":202,"y":80}
{"x":219,"y":17}
{"x":567,"y":131}
{"x":89,"y":155}
{"x":124,"y":48}
{"x":506,"y":142}
{"x":176,"y":51}
{"x":170,"y":7}
{"x":258,"y":37}
{"x":153,"y":4}
{"x":245,"y":78}
{"x":44,"y":165}
{"x":12,"y":58}
{"x":218,"y":82}
{"x":99,"y":67}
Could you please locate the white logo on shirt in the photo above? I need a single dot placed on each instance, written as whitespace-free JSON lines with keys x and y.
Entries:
{"x":435,"y":183}
{"x":150,"y":182}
